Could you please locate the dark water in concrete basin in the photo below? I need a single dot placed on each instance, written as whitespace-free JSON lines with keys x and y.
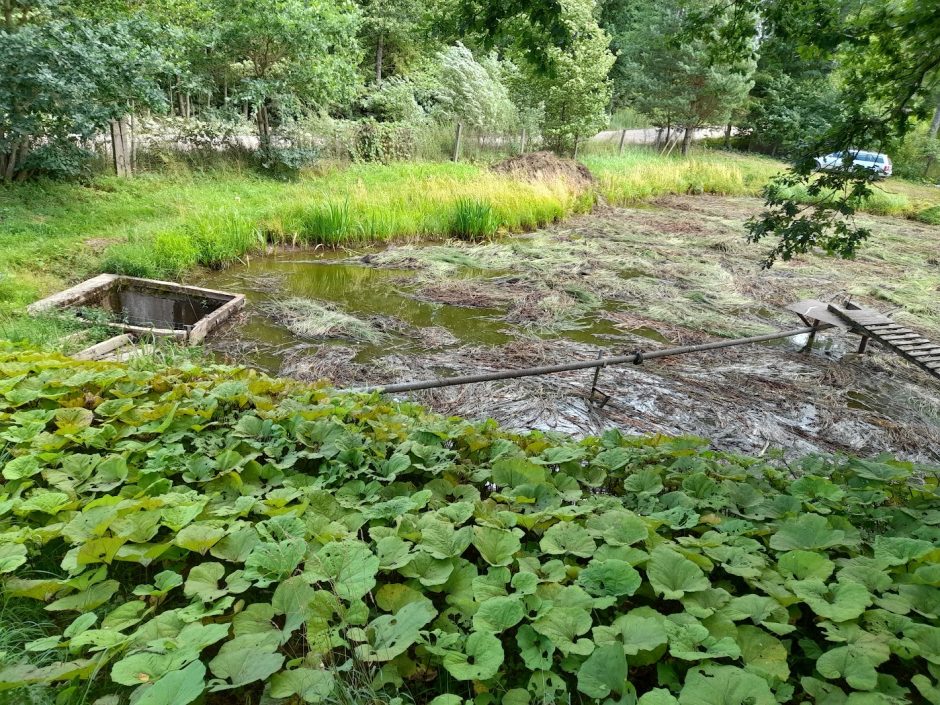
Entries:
{"x":154,"y":308}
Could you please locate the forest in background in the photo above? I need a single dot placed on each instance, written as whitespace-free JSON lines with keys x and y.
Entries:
{"x":295,"y":81}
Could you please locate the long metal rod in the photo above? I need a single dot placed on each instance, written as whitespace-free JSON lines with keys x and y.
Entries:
{"x":635,"y":357}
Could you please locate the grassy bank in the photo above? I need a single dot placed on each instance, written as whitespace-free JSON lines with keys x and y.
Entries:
{"x":163,"y":224}
{"x":159,"y":225}
{"x":639,"y":175}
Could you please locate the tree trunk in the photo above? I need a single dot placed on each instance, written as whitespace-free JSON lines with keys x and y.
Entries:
{"x":379,"y":56}
{"x":457,"y":138}
{"x":935,"y":123}
{"x":133,"y":145}
{"x":728,"y":136}
{"x":687,"y":140}
{"x":932,"y":134}
{"x":11,"y":161}
{"x":264,"y":127}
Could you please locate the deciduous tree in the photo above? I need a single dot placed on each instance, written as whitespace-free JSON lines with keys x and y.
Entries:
{"x":290,"y":55}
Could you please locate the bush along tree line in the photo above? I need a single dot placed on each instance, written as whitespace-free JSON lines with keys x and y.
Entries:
{"x":217,"y":536}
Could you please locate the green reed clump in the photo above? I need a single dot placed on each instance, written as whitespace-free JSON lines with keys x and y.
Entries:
{"x":473,"y":220}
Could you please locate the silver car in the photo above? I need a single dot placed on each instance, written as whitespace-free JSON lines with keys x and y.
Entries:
{"x":873,"y":161}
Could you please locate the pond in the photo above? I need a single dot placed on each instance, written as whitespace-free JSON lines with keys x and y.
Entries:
{"x":576,"y":291}
{"x":384,"y":297}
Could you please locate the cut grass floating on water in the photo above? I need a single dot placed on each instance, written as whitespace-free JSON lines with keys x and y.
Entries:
{"x":313,"y":320}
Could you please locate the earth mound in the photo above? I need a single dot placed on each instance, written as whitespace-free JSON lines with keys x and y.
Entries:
{"x":546,"y":166}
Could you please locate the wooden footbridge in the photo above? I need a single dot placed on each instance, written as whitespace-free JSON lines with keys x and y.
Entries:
{"x":871,"y":325}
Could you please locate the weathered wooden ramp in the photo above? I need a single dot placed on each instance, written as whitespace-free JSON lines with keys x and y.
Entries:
{"x":912,"y":346}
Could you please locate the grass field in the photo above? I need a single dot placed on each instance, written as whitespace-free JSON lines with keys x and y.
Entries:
{"x":163,"y":224}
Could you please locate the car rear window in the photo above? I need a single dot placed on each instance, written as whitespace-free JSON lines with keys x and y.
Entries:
{"x":869,"y":157}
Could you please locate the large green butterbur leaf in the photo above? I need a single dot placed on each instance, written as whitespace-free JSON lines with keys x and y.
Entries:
{"x":838,"y":602}
{"x":563,"y":626}
{"x":603,"y":672}
{"x":725,"y":685}
{"x":174,"y":688}
{"x":807,"y":532}
{"x":12,"y":556}
{"x":498,"y":614}
{"x":673,"y":575}
{"x":568,"y":538}
{"x":496,"y":546}
{"x":442,"y":540}
{"x":536,"y":649}
{"x":294,"y":599}
{"x":480,"y":659}
{"x":391,"y":634}
{"x":611,"y":577}
{"x":763,"y":654}
{"x":245,"y":659}
{"x":147,"y":667}
{"x":310,"y":684}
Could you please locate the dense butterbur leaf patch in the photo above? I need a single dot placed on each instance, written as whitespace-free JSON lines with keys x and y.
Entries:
{"x":219,"y":535}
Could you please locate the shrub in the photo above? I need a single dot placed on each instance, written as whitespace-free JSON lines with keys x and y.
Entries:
{"x":218,"y":531}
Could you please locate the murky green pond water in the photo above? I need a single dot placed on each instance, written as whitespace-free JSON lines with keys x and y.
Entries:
{"x":371,"y":293}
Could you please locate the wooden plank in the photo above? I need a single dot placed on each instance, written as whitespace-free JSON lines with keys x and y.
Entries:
{"x":901,"y":337}
{"x":892,"y":330}
{"x":902,"y":341}
{"x":817,"y":311}
{"x":868,"y":317}
{"x":104,"y":348}
{"x":918,"y":346}
{"x":886,"y":328}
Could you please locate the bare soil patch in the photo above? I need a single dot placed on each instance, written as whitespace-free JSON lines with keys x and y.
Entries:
{"x":546,"y":166}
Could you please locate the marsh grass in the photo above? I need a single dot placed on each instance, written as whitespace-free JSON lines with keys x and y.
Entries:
{"x":313,"y":320}
{"x":23,"y":621}
{"x":329,"y":223}
{"x":640,"y":174}
{"x":473,"y":220}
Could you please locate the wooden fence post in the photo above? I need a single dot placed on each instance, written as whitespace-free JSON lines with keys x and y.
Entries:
{"x":522,"y":142}
{"x":623,"y":137}
{"x":456,"y":157}
{"x":120,"y":147}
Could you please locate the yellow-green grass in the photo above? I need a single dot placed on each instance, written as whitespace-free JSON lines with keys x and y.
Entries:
{"x":639,"y":174}
{"x":162,"y":225}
